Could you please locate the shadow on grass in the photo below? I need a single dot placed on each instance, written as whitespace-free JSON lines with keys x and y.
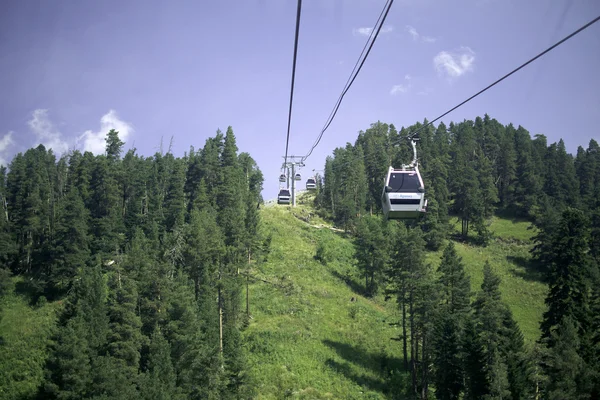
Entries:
{"x":512,"y":215}
{"x":364,"y":381}
{"x":381,"y":364}
{"x":350,"y":282}
{"x":469,"y":240}
{"x":529,"y":271}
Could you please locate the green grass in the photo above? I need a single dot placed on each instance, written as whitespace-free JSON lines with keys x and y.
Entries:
{"x":508,"y":254}
{"x":309,"y":340}
{"x":24,"y":332}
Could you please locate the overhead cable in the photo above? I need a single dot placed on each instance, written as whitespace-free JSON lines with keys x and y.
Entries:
{"x":293,"y":77}
{"x":355,"y":71}
{"x":410,"y":135}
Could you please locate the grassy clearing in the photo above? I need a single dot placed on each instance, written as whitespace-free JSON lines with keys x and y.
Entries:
{"x":522,"y":287}
{"x":311,"y":341}
{"x":24,"y":334}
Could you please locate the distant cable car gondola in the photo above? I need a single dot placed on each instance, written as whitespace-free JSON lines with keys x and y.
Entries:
{"x":311,"y":184}
{"x":403,"y":194}
{"x":284,"y":196}
{"x":298,"y":177}
{"x":282,"y":178}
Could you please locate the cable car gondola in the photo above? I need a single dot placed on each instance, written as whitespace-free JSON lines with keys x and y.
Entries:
{"x":311,"y":184}
{"x":282,"y":178}
{"x":403,"y":194}
{"x":284,"y":196}
{"x":298,"y":177}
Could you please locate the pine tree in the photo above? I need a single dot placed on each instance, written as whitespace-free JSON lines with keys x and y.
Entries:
{"x":69,"y":374}
{"x":70,"y":250}
{"x":476,"y":386}
{"x":124,"y":340}
{"x":507,"y":165}
{"x":455,"y":283}
{"x":569,"y":275}
{"x":7,"y":244}
{"x":489,"y":313}
{"x":370,"y":252}
{"x":566,"y":365}
{"x":158,"y":382}
{"x":447,"y":361}
{"x":114,"y":145}
{"x":175,"y":199}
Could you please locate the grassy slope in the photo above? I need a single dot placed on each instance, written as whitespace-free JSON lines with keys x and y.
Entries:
{"x":311,"y":341}
{"x":508,"y":255}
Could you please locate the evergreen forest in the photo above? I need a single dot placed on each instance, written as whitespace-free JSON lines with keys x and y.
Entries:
{"x":131,"y":277}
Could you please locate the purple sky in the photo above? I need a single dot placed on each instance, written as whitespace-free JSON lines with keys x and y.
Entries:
{"x":70,"y":71}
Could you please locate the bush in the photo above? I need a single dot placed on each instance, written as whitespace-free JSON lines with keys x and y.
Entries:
{"x":324,"y":252}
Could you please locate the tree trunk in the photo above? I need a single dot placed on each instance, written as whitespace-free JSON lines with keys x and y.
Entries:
{"x":413,"y":347}
{"x":405,"y":347}
{"x":424,"y":368}
{"x":247,"y":287}
{"x":220,"y":320}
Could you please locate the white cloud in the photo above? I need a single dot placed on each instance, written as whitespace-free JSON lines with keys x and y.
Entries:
{"x":402,"y":88}
{"x":362,"y":31}
{"x":367,"y":31}
{"x":413,"y":32}
{"x":5,"y":142}
{"x":399,"y":89}
{"x":46,"y":133}
{"x":416,"y":36}
{"x":95,"y":141}
{"x":425,"y":92}
{"x":456,"y":63}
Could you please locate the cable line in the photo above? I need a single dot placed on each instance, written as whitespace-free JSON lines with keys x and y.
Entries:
{"x":410,"y":135}
{"x":351,"y":79}
{"x":357,"y":63}
{"x":293,"y":77}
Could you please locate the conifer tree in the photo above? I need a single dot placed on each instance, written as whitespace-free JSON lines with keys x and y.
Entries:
{"x":566,"y":365}
{"x":489,"y":313}
{"x":569,"y":275}
{"x":69,"y":374}
{"x":476,"y":386}
{"x":158,"y":382}
{"x":125,"y":339}
{"x":447,"y":361}
{"x":7,"y":244}
{"x":455,"y":283}
{"x":70,"y":250}
{"x":370,"y":252}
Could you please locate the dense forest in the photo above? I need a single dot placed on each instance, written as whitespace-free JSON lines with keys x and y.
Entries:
{"x":472,"y":170}
{"x":147,"y":260}
{"x":145,"y":254}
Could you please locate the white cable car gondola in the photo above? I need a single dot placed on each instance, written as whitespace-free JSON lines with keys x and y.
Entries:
{"x":311,"y":184}
{"x":403,"y":194}
{"x":298,"y":177}
{"x":284,"y":196}
{"x":282,"y":178}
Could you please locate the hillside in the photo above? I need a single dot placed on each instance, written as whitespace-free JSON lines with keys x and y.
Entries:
{"x":310,"y":340}
{"x":135,"y":288}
